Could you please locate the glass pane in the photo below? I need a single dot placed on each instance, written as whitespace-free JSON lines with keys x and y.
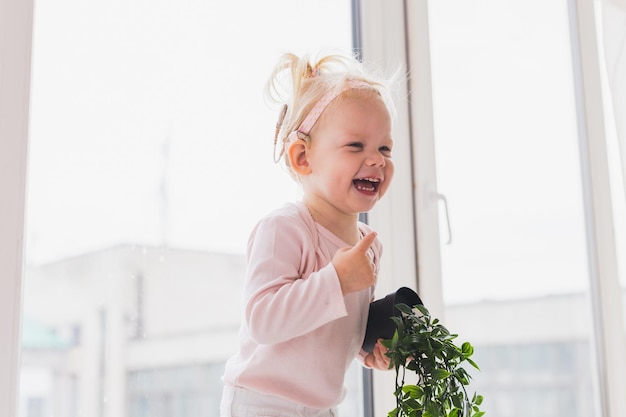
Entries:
{"x":150,"y":162}
{"x":515,"y":276}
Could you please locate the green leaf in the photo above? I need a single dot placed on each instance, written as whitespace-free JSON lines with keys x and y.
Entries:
{"x":454,"y":412}
{"x":467,"y":349}
{"x":413,"y":404}
{"x":457,"y":399}
{"x":432,"y":410}
{"x":422,"y":309}
{"x":414,"y":391}
{"x":394,"y":339}
{"x":404,"y":308}
{"x":398,"y":322}
{"x":462,"y":375}
{"x":471,"y":362}
{"x":439,"y":374}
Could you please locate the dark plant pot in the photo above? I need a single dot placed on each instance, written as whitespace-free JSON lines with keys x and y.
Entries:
{"x":379,"y":323}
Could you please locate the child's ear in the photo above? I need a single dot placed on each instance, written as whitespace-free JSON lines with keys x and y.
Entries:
{"x":298,"y":157}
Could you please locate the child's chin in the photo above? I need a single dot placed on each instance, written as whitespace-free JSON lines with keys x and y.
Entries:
{"x":365,"y":207}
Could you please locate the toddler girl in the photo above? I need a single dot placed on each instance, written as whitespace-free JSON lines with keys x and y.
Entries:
{"x":311,"y":265}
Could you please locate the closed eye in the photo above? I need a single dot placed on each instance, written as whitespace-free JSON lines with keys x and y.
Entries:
{"x":385,"y":150}
{"x":356,"y":145}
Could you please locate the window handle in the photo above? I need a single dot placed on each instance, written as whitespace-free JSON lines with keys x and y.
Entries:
{"x":442,"y":197}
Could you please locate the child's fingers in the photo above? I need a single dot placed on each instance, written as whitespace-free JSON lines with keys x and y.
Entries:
{"x":379,"y":342}
{"x":364,"y":244}
{"x":380,"y":359}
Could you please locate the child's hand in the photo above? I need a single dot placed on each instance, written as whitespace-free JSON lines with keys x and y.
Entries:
{"x":377,"y":359}
{"x":354,"y":268}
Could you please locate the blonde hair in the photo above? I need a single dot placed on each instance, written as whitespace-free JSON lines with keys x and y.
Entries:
{"x":311,"y":78}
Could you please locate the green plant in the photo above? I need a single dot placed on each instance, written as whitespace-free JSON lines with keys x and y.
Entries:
{"x":422,"y":345}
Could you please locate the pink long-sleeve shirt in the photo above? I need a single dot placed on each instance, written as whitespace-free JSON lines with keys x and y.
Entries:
{"x":300,"y":333}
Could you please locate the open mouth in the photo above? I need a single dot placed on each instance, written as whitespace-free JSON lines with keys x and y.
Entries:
{"x":367,"y":185}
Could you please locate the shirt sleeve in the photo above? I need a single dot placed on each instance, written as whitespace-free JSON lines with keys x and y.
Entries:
{"x":280,"y":303}
{"x":361,"y":358}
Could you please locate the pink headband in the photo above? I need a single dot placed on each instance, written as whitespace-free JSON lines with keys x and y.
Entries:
{"x":309,"y":121}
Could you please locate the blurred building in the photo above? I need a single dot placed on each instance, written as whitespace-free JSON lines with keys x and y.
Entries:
{"x":144,"y":331}
{"x":541,"y":365}
{"x":130,"y":330}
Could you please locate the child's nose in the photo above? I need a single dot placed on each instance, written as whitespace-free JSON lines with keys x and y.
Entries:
{"x":376,"y":159}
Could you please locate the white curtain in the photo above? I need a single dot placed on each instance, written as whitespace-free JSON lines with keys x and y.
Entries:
{"x":614,"y":36}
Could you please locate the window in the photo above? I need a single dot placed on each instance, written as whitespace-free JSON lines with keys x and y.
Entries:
{"x":150,"y":162}
{"x":516,"y":274}
{"x":112,"y":103}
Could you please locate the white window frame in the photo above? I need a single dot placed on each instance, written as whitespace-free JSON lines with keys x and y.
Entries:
{"x":606,"y":294}
{"x":383,"y":40}
{"x":396,"y":34}
{"x":16,"y":17}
